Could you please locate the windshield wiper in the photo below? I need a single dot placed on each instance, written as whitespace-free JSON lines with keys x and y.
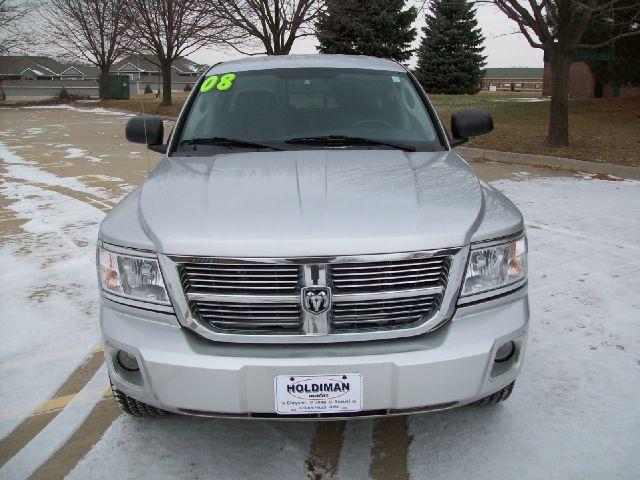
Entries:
{"x":345,"y":140}
{"x":225,"y":142}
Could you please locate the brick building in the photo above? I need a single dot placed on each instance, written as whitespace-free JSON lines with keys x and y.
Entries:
{"x":582,"y":83}
{"x":513,"y":80}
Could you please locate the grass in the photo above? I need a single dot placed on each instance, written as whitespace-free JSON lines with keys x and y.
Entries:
{"x":148,"y":103}
{"x":602,"y":130}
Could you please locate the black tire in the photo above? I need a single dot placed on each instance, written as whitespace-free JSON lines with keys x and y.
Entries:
{"x":497,"y":397}
{"x":131,"y":406}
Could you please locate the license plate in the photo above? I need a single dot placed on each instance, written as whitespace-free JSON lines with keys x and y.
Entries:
{"x":301,"y":394}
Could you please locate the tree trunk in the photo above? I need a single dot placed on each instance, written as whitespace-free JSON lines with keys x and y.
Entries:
{"x":558,"y":134}
{"x":166,"y":84}
{"x":104,"y":82}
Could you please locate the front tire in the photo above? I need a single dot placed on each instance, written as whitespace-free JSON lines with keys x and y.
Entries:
{"x":497,"y":397}
{"x":131,"y":406}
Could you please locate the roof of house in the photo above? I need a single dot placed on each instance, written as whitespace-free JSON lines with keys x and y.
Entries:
{"x":89,"y":71}
{"x":144,"y":63}
{"x":154,"y":80}
{"x":16,"y":64}
{"x":515,"y":73}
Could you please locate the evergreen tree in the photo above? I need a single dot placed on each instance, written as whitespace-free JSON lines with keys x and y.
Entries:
{"x":450,"y":58}
{"x":380,"y":28}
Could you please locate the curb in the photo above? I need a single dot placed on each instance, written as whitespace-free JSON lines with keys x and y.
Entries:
{"x":554,"y":163}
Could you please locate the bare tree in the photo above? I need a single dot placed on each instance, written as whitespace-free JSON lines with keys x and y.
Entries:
{"x":169,"y":29}
{"x":557,"y":27}
{"x":12,"y":16}
{"x":90,"y":30}
{"x":273,"y":24}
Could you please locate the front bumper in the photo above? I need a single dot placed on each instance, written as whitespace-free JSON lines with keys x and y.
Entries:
{"x":183,"y":373}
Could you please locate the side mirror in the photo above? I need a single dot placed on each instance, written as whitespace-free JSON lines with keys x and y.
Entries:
{"x":471,"y":122}
{"x":147,"y":129}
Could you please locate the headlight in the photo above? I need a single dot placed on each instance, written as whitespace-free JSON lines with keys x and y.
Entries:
{"x":495,"y":267}
{"x":138,"y":278}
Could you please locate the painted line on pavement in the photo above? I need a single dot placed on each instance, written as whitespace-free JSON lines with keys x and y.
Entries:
{"x":390,"y":448}
{"x":46,"y":443}
{"x":30,"y":427}
{"x":83,"y":439}
{"x":324,"y":453}
{"x":355,"y":456}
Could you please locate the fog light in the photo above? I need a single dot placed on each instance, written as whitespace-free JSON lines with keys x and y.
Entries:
{"x":505,"y":352}
{"x":127,"y":361}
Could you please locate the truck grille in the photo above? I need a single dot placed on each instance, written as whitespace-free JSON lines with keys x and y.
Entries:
{"x":258,"y":298}
{"x":376,"y":314}
{"x":390,"y":275}
{"x":242,"y":317}
{"x":239,"y":279}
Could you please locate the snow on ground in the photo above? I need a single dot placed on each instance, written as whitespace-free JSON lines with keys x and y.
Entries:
{"x":190,"y":448}
{"x":48,"y":296}
{"x":573,"y":413}
{"x":95,"y":110}
{"x":81,"y":153}
{"x":19,"y":168}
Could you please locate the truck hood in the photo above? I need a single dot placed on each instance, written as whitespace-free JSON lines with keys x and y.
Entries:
{"x":310,"y":203}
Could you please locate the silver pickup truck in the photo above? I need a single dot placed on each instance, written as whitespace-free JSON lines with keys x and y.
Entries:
{"x":311,"y":246}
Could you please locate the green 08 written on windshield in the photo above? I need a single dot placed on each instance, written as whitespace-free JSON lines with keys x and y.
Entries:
{"x":284,"y":109}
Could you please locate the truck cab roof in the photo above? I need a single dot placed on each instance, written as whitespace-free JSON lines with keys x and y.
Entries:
{"x":268,"y":62}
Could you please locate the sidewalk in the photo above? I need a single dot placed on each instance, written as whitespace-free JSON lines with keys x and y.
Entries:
{"x":554,"y":163}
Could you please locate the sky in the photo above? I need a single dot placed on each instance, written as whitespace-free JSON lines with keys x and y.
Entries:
{"x":503,"y":48}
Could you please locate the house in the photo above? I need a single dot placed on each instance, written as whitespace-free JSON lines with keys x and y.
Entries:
{"x":513,"y":79}
{"x":139,"y":66}
{"x":30,"y":90}
{"x":80,"y":72}
{"x":582,"y":82}
{"x":143,"y":72}
{"x":26,"y":67}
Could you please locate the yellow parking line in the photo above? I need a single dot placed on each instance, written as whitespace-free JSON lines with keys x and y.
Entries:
{"x":57,"y":164}
{"x":98,"y":202}
{"x":57,"y":403}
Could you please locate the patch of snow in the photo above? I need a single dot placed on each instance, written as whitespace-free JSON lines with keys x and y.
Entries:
{"x":182,"y":447}
{"x":81,"y":153}
{"x":95,"y":110}
{"x":75,"y":153}
{"x":521,"y":100}
{"x":19,"y":168}
{"x":9,"y":157}
{"x":573,"y":412}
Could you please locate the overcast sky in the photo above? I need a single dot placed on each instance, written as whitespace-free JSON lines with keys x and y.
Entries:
{"x":501,"y":48}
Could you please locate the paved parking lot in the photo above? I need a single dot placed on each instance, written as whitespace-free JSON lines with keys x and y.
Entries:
{"x":573,"y":413}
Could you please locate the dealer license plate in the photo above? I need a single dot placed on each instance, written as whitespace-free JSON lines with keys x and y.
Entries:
{"x":302,"y":394}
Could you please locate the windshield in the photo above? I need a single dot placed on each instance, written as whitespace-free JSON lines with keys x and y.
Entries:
{"x":303,"y":107}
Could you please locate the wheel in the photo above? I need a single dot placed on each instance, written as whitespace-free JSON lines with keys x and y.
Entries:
{"x":497,"y":397}
{"x":131,"y":406}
